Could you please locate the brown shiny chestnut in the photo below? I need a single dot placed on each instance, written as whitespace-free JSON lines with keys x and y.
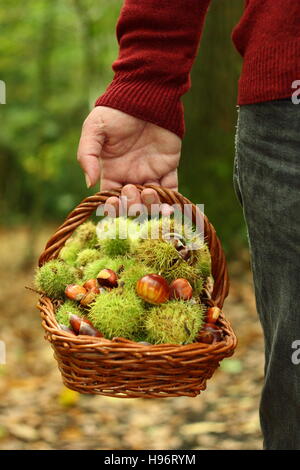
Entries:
{"x":75,"y":292}
{"x":181,"y":289}
{"x":65,"y":328}
{"x":212,"y":314}
{"x":209,"y":334}
{"x":107,"y":278}
{"x":75,"y":322}
{"x":153,"y":288}
{"x":89,"y":330}
{"x":88,"y":298}
{"x":92,"y":284}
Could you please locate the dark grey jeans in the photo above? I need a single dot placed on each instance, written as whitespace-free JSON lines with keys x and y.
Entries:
{"x":267,"y":183}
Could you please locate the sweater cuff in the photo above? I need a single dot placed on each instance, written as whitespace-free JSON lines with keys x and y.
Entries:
{"x":150,"y":101}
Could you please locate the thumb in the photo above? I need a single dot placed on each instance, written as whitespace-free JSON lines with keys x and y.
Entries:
{"x":89,"y":150}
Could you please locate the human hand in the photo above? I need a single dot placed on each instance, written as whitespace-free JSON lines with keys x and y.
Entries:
{"x":118,"y":149}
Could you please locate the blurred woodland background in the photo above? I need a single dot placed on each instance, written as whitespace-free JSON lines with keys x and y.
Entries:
{"x":55,"y":58}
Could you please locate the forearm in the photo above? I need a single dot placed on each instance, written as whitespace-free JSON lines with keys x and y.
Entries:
{"x":158,"y":44}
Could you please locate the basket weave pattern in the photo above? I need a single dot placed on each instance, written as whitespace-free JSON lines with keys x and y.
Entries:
{"x":123,"y":368}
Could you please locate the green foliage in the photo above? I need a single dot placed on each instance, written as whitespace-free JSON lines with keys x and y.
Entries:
{"x":175,"y":322}
{"x":210,"y":113}
{"x":53,"y":277}
{"x":118,"y":313}
{"x":53,"y":80}
{"x":53,"y":84}
{"x":62,"y":313}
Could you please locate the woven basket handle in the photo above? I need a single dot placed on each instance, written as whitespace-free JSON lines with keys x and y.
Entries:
{"x":91,"y":203}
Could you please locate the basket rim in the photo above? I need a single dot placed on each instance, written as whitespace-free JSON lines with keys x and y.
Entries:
{"x":57,"y":335}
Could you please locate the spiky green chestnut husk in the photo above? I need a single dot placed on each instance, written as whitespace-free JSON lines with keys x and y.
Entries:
{"x":132,"y":274}
{"x":86,"y":235}
{"x":157,"y":228}
{"x":160,"y":227}
{"x":163,"y":258}
{"x":163,"y":227}
{"x":62,"y":313}
{"x":114,"y":247}
{"x":158,"y":254}
{"x":203,"y":263}
{"x":123,"y":261}
{"x":111,"y":227}
{"x":70,"y":251}
{"x":175,"y":322}
{"x":118,"y":236}
{"x":151,"y":229}
{"x":186,"y":229}
{"x":117,"y":313}
{"x":119,"y":227}
{"x":92,"y":269}
{"x":53,"y":277}
{"x":182,"y":269}
{"x":87,"y":256}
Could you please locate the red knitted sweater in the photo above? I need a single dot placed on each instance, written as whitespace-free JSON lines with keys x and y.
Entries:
{"x":159,"y":41}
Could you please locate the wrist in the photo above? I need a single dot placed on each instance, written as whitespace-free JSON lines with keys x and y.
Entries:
{"x":149,"y":101}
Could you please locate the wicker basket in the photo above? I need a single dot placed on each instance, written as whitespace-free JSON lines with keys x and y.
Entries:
{"x":124,"y":368}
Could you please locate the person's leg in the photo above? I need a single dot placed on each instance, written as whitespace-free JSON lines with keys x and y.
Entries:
{"x":267,"y":182}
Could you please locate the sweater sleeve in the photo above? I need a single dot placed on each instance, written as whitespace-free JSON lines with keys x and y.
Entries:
{"x":158,"y":42}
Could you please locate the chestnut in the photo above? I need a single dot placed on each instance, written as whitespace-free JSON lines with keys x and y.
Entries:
{"x":181,"y":289}
{"x":212,"y":314}
{"x":107,"y":278}
{"x":210,"y":333}
{"x":89,"y":330}
{"x":65,"y":328}
{"x":175,"y":239}
{"x":88,"y":298}
{"x":75,"y":292}
{"x":92,"y":284}
{"x":185,"y":253}
{"x":153,"y":288}
{"x":75,"y":322}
